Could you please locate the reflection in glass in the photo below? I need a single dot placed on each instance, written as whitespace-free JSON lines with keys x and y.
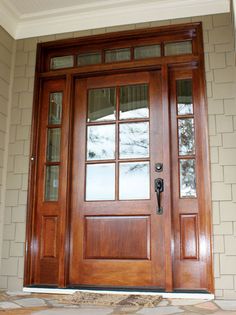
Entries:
{"x":101,"y":142}
{"x":134,"y":101}
{"x":117,"y":55}
{"x":100,"y":182}
{"x":62,"y":62}
{"x":134,"y":140}
{"x":147,"y":51}
{"x":55,"y":108}
{"x":134,"y":181}
{"x":53,"y":144}
{"x":186,"y":136}
{"x":101,"y":104}
{"x":52,"y":183}
{"x":89,"y":59}
{"x":187,"y":178}
{"x":184,"y":97}
{"x":178,"y":48}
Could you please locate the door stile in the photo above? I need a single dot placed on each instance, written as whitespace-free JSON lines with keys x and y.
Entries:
{"x":32,"y":194}
{"x":168,"y":236}
{"x":205,"y":180}
{"x":64,"y":236}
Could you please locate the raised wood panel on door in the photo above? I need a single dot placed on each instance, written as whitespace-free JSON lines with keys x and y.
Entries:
{"x":192,"y":250}
{"x":116,"y":243}
{"x":116,"y":237}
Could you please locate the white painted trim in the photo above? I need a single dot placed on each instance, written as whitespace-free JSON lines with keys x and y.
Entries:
{"x":104,"y":14}
{"x":199,"y":296}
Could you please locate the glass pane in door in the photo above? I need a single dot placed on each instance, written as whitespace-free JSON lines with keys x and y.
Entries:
{"x":101,"y":142}
{"x":186,"y":136}
{"x":134,"y":181}
{"x":53,"y":145}
{"x":134,"y":140}
{"x":184,"y":97}
{"x":55,"y":108}
{"x":134,"y":101}
{"x":100,"y":182}
{"x":187,"y":178}
{"x":52,"y":183}
{"x":101,"y":104}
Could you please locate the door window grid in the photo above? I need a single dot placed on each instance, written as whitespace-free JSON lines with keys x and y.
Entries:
{"x":134,"y":166}
{"x":186,"y":139}
{"x":53,"y":148}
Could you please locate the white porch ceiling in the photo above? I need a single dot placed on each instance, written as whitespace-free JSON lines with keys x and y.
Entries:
{"x":30,"y":18}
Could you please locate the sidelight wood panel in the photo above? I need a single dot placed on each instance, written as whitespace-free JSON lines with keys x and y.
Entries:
{"x":49,"y":237}
{"x":189,"y":236}
{"x":117,"y":237}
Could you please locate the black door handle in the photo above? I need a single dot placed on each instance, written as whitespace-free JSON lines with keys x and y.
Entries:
{"x":159,"y":188}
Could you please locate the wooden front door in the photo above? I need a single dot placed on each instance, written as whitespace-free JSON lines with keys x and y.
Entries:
{"x":119,"y":192}
{"x":117,"y":236}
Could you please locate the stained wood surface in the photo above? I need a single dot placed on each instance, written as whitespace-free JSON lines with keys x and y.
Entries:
{"x":175,"y":251}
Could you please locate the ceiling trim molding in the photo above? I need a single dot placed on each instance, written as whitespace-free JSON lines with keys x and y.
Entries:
{"x":104,"y":14}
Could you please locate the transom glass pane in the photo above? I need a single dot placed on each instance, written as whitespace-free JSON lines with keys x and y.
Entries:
{"x":101,"y":104}
{"x":62,"y":62}
{"x":134,"y":101}
{"x":184,"y":97}
{"x":186,"y":136}
{"x":134,"y":140}
{"x":134,"y":182}
{"x":55,"y":108}
{"x":89,"y":59}
{"x":187,"y":178}
{"x":100,"y":182}
{"x":147,"y":51}
{"x":53,"y":144}
{"x":178,"y":48}
{"x":51,"y":183}
{"x":116,"y":55}
{"x":101,"y":142}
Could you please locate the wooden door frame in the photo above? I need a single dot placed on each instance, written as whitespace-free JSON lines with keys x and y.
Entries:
{"x":161,"y":35}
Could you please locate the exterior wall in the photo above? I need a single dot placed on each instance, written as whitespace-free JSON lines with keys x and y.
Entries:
{"x":6,"y":66}
{"x":220,"y":76}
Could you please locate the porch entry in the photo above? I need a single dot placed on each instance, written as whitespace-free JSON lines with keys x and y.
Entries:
{"x":120,"y":176}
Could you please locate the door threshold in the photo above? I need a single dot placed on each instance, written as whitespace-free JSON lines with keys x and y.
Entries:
{"x":165,"y":295}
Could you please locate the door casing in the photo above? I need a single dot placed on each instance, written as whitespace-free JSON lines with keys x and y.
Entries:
{"x":170,"y":67}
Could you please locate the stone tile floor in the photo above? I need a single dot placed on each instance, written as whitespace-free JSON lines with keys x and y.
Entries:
{"x":49,"y":304}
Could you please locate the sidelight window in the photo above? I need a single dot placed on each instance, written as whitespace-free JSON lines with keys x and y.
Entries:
{"x":53,"y":153}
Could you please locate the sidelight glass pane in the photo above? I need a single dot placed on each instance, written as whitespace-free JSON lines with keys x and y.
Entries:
{"x":134,"y":181}
{"x":62,"y":62}
{"x":134,"y":101}
{"x":100,"y":182}
{"x":53,"y":145}
{"x":116,"y":55}
{"x":147,"y":52}
{"x":178,"y":48}
{"x":52,"y":183}
{"x":55,"y":108}
{"x":89,"y":59}
{"x":134,"y":140}
{"x":186,"y":136}
{"x":187,"y":178}
{"x":101,"y":142}
{"x":184,"y":97}
{"x":101,"y":104}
